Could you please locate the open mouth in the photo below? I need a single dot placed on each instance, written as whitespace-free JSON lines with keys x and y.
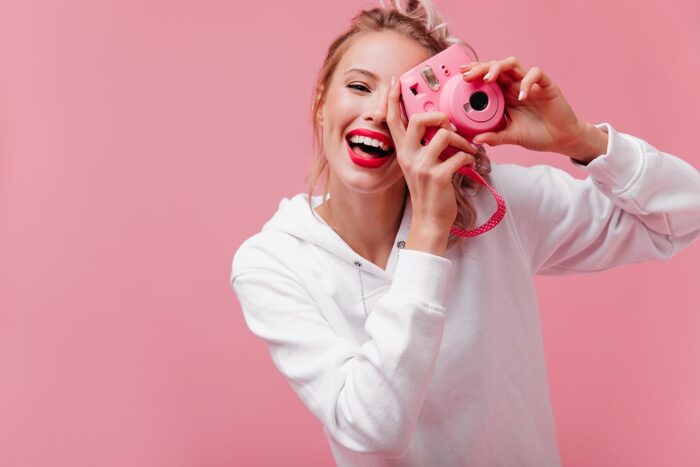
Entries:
{"x":369,"y":151}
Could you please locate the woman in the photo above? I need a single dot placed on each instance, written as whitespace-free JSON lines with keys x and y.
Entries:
{"x":412,"y":346}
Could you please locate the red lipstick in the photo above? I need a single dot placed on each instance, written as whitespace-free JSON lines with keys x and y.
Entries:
{"x":368,"y":162}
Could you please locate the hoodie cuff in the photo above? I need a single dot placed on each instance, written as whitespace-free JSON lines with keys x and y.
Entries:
{"x":421,"y":276}
{"x":621,"y":164}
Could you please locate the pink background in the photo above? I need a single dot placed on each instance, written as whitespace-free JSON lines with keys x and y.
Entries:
{"x":142,"y":142}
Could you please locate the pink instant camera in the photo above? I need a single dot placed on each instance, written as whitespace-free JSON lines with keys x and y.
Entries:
{"x":474,"y":107}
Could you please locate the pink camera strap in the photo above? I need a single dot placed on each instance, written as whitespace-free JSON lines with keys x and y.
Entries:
{"x":495,"y":218}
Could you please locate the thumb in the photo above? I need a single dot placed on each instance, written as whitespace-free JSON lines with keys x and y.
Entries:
{"x":491,"y":138}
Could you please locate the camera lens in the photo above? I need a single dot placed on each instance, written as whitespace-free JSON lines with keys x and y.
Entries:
{"x":479,"y":100}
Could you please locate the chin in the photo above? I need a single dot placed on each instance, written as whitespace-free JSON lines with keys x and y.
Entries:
{"x":360,"y":181}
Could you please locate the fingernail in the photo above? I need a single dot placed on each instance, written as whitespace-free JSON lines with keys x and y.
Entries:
{"x":393,"y":80}
{"x":521,"y":95}
{"x":453,"y":126}
{"x":487,"y":76}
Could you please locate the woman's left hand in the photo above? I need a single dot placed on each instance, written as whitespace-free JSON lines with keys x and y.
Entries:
{"x":542,"y":121}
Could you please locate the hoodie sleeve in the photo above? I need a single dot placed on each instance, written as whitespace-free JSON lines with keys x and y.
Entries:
{"x":367,"y":396}
{"x":637,"y":204}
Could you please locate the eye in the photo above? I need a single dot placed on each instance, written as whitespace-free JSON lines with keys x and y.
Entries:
{"x":357,"y":86}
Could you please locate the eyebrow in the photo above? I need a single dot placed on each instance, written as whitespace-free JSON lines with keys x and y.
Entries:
{"x":364,"y":72}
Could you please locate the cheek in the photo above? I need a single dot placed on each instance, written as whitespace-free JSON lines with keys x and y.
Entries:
{"x":343,"y":108}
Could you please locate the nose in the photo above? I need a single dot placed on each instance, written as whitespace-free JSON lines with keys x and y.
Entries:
{"x":380,"y":105}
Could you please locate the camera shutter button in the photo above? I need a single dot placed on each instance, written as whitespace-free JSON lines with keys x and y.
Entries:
{"x":429,"y":106}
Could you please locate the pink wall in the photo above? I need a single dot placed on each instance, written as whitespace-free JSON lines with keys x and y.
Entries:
{"x":136,"y":155}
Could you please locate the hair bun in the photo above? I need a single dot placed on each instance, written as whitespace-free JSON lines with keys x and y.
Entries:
{"x":412,"y":6}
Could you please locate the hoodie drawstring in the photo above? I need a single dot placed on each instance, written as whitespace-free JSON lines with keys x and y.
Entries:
{"x":400,"y":244}
{"x":362,"y":290}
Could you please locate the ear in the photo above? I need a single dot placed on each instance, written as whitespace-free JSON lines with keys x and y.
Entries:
{"x":319,"y":112}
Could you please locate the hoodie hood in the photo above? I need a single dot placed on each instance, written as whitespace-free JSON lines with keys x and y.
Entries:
{"x":295,"y":217}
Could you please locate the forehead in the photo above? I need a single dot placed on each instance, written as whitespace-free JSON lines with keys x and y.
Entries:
{"x":383,"y":53}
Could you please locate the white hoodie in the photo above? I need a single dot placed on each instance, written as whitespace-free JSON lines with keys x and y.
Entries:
{"x":438,"y":361}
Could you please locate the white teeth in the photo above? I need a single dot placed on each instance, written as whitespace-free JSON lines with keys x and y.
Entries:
{"x":369,"y":141}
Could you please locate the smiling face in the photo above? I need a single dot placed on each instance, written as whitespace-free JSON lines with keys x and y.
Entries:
{"x":357,"y":100}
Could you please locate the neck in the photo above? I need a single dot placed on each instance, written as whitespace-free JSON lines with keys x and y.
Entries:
{"x":367,"y":222}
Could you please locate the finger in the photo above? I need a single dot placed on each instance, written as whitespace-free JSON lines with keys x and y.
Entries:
{"x":503,"y":80}
{"x":463,"y":68}
{"x":506,"y":69}
{"x":444,"y":138}
{"x":513,"y":68}
{"x":419,"y":122}
{"x":507,"y":83}
{"x":535,"y":75}
{"x":448,"y":167}
{"x":496,"y":68}
{"x":509,"y":71}
{"x":509,"y":67}
{"x":393,"y":113}
{"x":477,"y":71}
{"x":494,"y":138}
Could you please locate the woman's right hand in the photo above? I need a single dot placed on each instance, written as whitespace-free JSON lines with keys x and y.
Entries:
{"x":428,"y":178}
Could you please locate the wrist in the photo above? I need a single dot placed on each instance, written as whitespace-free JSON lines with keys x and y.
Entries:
{"x":589,"y":143}
{"x":427,"y":238}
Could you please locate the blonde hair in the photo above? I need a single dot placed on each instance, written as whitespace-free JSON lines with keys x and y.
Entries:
{"x":420,"y":21}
